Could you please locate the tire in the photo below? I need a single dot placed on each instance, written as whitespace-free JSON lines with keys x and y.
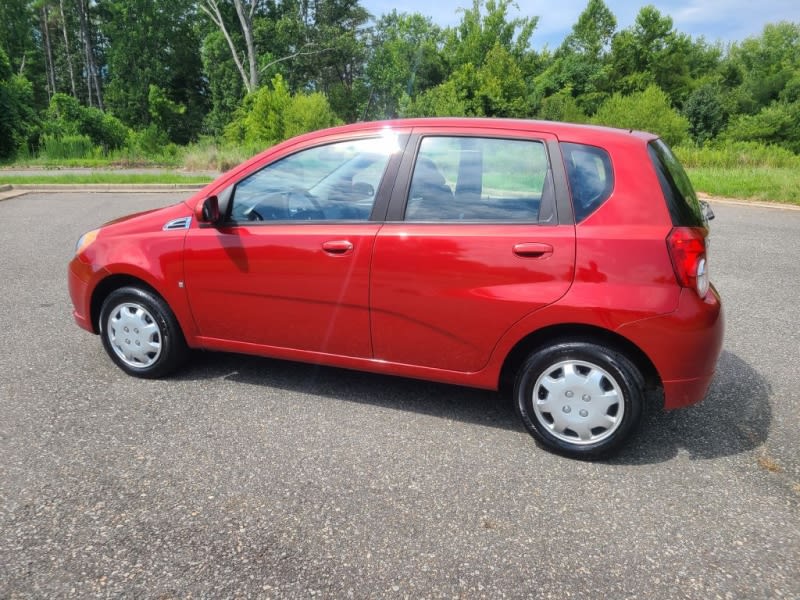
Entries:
{"x":141,"y":334}
{"x":579,"y":399}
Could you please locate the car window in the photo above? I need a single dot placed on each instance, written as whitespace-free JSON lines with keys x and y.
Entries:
{"x":478,"y":179}
{"x":591,"y":177}
{"x":684,"y":207}
{"x":332,"y":182}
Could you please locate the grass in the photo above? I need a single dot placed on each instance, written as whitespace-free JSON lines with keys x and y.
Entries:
{"x":105,"y":178}
{"x":769,"y":184}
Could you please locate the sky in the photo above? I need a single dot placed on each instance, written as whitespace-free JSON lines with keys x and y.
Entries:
{"x":723,"y":20}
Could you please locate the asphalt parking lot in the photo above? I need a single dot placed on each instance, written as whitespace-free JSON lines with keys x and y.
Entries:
{"x":247,"y":477}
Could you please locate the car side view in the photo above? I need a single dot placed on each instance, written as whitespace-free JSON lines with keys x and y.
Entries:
{"x":566,"y":262}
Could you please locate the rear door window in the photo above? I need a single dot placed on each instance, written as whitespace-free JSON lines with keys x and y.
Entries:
{"x":478,"y":179}
{"x":591,"y":177}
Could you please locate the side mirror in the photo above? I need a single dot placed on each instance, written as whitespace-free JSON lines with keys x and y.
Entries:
{"x":708,"y":214}
{"x":207,"y":212}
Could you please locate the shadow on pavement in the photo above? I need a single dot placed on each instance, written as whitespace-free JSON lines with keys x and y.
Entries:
{"x":735,"y":417}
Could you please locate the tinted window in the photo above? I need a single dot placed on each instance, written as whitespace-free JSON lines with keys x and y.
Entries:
{"x":684,"y":208}
{"x":332,"y":182}
{"x":478,"y":179}
{"x":591,"y":178}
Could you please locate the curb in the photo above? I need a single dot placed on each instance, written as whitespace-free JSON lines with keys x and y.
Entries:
{"x":753,"y":203}
{"x":8,"y":191}
{"x":106,"y":187}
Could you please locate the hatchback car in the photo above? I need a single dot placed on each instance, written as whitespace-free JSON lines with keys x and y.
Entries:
{"x":569,"y":262}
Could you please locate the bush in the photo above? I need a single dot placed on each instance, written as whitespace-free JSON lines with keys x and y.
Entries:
{"x":271,"y":114}
{"x":649,"y":110}
{"x":67,"y":117}
{"x":722,"y":154}
{"x":778,"y":123}
{"x":67,"y":146}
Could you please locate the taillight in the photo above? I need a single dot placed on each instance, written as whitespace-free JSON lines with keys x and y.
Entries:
{"x":687,"y":249}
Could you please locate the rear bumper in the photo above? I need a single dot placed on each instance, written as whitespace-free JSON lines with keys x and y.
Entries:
{"x":684,"y":346}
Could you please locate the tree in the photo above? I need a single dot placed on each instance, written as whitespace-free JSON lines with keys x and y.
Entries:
{"x":706,"y":113}
{"x":484,"y":26}
{"x":486,"y":53}
{"x":581,"y":64}
{"x":406,"y":58}
{"x":652,"y":52}
{"x":18,"y":120}
{"x":153,"y":43}
{"x":766,"y":63}
{"x":648,"y":110}
{"x":246,"y":14}
{"x":272,"y":114}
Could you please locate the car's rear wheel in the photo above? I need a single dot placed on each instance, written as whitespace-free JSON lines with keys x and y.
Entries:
{"x":579,"y":399}
{"x":141,"y":334}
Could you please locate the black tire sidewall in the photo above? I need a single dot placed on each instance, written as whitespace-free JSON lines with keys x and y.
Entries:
{"x":173,"y":346}
{"x":623,"y":370}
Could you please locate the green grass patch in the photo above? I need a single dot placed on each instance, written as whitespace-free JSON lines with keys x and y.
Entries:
{"x":770,"y":184}
{"x":105,"y":178}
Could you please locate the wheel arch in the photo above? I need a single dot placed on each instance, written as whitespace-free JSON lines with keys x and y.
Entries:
{"x":549,"y":335}
{"x":108,"y":285}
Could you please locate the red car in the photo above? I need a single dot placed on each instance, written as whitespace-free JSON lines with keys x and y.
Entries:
{"x":568,"y":260}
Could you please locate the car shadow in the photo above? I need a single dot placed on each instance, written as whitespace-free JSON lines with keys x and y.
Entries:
{"x":735,"y":416}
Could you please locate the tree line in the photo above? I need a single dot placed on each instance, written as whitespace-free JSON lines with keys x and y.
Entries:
{"x":82,"y":76}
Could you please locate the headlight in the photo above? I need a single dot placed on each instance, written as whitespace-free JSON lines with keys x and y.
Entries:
{"x":86,"y":239}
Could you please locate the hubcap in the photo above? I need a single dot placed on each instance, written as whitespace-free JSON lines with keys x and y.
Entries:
{"x":578,"y":402}
{"x":134,"y":335}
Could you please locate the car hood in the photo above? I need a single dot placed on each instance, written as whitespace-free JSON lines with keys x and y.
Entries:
{"x":147,"y":220}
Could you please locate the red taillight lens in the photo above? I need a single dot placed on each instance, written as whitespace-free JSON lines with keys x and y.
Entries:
{"x":687,"y":249}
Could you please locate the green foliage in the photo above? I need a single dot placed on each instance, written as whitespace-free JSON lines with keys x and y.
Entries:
{"x":706,"y":113}
{"x":67,"y":146}
{"x":67,"y":117}
{"x":166,"y":115}
{"x":18,"y":121}
{"x":153,"y":43}
{"x":561,"y":106}
{"x":732,"y":155}
{"x":406,"y":59}
{"x":778,"y":123}
{"x":767,"y":64}
{"x":225,"y":84}
{"x":271,"y":114}
{"x":649,"y":110}
{"x":482,"y":28}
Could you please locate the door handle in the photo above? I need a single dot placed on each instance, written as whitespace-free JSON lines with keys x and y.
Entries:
{"x":338,"y":247}
{"x":533,"y":250}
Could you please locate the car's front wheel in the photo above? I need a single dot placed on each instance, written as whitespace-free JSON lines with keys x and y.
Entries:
{"x":579,"y":399}
{"x":140,"y":333}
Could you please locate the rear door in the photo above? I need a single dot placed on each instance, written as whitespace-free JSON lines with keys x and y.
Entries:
{"x":472,"y":244}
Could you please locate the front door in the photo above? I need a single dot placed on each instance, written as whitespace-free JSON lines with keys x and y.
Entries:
{"x":289,"y":268}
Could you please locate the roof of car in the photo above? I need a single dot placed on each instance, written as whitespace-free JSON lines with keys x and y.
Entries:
{"x":563,"y":131}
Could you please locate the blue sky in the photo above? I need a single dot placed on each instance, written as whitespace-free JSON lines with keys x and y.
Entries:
{"x":725,"y":20}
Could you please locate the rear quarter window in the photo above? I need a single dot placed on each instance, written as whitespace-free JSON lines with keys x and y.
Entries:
{"x":591,"y":177}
